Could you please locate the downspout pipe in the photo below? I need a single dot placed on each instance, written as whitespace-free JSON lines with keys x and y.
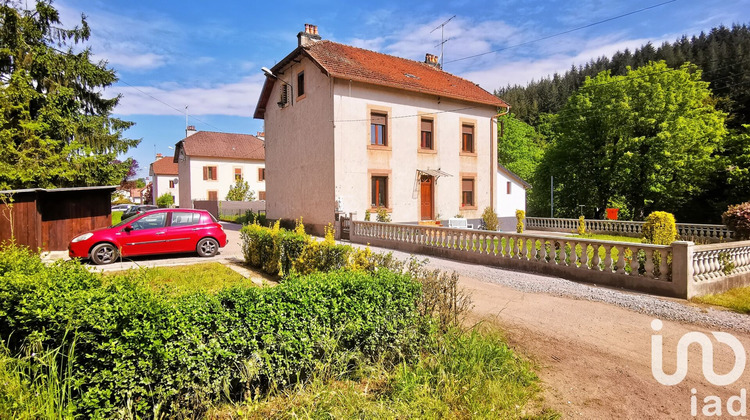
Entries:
{"x":493,"y":154}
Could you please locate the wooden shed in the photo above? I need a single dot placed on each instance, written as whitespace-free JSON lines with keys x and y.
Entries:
{"x":48,"y":219}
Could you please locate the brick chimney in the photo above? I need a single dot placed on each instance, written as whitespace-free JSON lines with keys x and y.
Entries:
{"x":308,"y":37}
{"x":190,"y":130}
{"x":159,"y":156}
{"x":432,"y":60}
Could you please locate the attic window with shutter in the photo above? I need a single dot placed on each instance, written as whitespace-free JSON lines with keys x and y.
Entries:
{"x":300,"y":84}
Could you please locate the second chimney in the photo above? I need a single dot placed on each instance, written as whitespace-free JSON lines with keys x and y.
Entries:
{"x":190,"y":130}
{"x":431,"y":59}
{"x":308,"y":37}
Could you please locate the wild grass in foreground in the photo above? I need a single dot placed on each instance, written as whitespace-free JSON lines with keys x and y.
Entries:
{"x":461,"y":375}
{"x":178,"y":280}
{"x":737,"y":299}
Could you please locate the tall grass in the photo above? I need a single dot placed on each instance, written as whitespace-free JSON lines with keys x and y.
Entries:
{"x":38,"y":383}
{"x":461,"y":375}
{"x":737,"y":299}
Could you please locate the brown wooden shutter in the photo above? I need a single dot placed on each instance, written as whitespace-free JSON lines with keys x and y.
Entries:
{"x":427,"y":125}
{"x":468,"y":184}
{"x":377,"y":119}
{"x":468,"y":129}
{"x":205,"y":173}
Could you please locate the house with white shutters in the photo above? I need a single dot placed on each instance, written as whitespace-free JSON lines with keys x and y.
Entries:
{"x":209,"y":163}
{"x":353,"y":130}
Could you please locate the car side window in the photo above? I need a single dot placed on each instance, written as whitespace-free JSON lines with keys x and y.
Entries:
{"x":151,"y":221}
{"x":185,"y":218}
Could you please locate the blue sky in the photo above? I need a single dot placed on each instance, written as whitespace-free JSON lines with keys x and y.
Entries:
{"x":207,"y":55}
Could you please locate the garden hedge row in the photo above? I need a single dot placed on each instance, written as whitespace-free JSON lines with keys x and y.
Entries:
{"x":144,"y":352}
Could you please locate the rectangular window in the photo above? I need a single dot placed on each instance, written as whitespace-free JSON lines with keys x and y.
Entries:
{"x":379,"y":191}
{"x":213,"y":196}
{"x":300,"y":84}
{"x":209,"y":173}
{"x":378,"y":129}
{"x":238,"y":174}
{"x":509,"y":187}
{"x":426,"y":129}
{"x":261,"y":195}
{"x":185,"y":218}
{"x":467,"y":138}
{"x":171,"y":183}
{"x":261,"y":174}
{"x":467,"y":192}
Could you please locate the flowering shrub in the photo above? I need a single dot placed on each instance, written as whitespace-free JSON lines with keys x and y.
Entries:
{"x":582,"y":225}
{"x":520,"y":215}
{"x":737,"y":218}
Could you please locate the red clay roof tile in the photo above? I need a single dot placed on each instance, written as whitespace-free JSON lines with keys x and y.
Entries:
{"x":224,"y":145}
{"x":367,"y":66}
{"x":164,"y":166}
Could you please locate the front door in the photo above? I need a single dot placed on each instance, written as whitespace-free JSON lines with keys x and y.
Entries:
{"x":427,"y":183}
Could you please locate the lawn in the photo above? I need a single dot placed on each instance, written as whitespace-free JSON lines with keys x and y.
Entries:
{"x":615,"y":238}
{"x":116,"y":217}
{"x":737,"y":299}
{"x":208,"y":277}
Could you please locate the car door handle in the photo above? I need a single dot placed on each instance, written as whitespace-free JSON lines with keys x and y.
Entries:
{"x":160,"y":233}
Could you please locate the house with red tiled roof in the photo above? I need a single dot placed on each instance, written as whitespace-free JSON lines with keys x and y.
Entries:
{"x":164,"y":178}
{"x":209,"y":163}
{"x":353,"y":130}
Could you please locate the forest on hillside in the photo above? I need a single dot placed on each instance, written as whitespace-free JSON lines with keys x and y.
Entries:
{"x":659,"y":128}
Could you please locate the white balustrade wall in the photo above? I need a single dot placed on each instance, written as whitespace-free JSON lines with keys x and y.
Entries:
{"x":687,"y":231}
{"x":681,"y":269}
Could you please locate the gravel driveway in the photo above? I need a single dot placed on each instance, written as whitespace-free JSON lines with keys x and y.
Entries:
{"x":659,"y":307}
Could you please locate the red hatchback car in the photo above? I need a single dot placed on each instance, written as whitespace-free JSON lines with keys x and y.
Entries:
{"x":161,"y":231}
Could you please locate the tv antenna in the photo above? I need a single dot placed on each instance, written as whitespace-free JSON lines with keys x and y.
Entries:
{"x":442,"y":38}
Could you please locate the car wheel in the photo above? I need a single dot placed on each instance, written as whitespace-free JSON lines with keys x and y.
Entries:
{"x":105,"y":253}
{"x":207,"y":247}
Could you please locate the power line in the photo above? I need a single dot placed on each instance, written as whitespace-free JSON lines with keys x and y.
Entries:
{"x":564,"y":32}
{"x":164,"y":103}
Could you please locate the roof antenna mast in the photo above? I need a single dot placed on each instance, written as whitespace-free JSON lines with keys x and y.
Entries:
{"x":442,"y":38}
{"x":186,"y":117}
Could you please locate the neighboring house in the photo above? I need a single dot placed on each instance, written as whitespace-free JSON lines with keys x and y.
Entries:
{"x":511,"y":196}
{"x":136,"y":195}
{"x":353,"y":130}
{"x":164,"y":174}
{"x":209,"y":163}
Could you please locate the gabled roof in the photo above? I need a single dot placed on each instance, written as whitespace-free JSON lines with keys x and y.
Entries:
{"x":164,"y":166}
{"x":222,"y":145}
{"x":357,"y":64}
{"x":512,"y":175}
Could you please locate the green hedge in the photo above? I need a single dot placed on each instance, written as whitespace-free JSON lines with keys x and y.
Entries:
{"x":142,"y":352}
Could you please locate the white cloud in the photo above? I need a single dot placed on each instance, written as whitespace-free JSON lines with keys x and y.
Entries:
{"x":237,"y":99}
{"x":522,"y":71}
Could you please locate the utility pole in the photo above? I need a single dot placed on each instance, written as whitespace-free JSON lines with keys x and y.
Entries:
{"x":442,"y":38}
{"x":551,"y":196}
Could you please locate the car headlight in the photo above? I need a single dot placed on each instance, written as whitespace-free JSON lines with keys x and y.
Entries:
{"x":83,"y":237}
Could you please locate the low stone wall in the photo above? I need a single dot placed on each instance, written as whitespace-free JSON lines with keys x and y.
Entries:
{"x":687,"y":231}
{"x":681,"y":269}
{"x":231,"y":208}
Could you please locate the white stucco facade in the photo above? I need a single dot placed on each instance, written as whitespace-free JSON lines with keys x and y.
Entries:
{"x":509,"y":198}
{"x":193,"y":186}
{"x":165,"y":184}
{"x":318,"y":150}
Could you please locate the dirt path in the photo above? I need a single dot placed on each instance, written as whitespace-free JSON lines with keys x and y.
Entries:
{"x":595,"y":358}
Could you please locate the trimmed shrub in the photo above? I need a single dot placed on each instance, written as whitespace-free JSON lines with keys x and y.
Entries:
{"x":660,"y":228}
{"x":737,"y":218}
{"x":165,"y":200}
{"x":581,"y":225}
{"x":367,"y":215}
{"x":489,"y":217}
{"x":520,"y":215}
{"x":141,"y":353}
